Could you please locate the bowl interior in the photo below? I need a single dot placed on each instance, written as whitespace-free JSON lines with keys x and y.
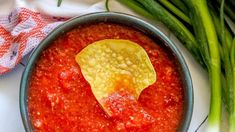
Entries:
{"x":118,"y":18}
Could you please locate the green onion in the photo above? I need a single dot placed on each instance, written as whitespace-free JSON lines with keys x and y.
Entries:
{"x":200,"y":12}
{"x":59,"y":3}
{"x":136,"y":7}
{"x":232,"y":114}
{"x":107,"y":5}
{"x":180,"y":5}
{"x":228,"y":60}
{"x":175,"y":10}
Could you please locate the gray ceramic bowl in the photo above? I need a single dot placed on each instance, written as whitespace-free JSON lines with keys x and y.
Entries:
{"x":123,"y":19}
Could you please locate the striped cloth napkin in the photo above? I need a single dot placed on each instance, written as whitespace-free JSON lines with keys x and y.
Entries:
{"x":29,"y":21}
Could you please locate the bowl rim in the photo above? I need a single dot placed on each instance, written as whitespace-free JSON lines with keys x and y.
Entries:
{"x":114,"y":17}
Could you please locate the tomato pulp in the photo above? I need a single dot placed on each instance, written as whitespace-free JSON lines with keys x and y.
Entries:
{"x":60,"y":99}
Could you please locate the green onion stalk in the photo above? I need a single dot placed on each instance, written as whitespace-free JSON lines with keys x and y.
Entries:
{"x":180,"y":5}
{"x":59,"y":3}
{"x":199,"y":11}
{"x":138,"y":8}
{"x":232,"y":114}
{"x":175,"y":10}
{"x":228,"y":64}
{"x":227,"y":59}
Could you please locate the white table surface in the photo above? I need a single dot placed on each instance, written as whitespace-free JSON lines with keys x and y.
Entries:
{"x":10,"y":119}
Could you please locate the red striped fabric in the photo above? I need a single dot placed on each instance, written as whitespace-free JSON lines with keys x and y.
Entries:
{"x":20,"y":32}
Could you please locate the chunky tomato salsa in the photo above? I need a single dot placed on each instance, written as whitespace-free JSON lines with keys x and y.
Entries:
{"x":60,"y":99}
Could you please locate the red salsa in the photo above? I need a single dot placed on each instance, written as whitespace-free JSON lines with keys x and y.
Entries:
{"x":60,"y":99}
